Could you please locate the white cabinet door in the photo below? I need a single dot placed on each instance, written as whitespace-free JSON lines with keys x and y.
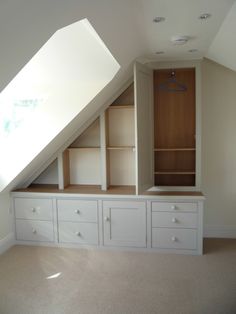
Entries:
{"x":143,"y":95}
{"x":124,"y":223}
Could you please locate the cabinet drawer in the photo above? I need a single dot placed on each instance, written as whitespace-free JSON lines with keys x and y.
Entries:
{"x":82,"y":233}
{"x":33,"y":208}
{"x":31,"y":230}
{"x":173,"y":207}
{"x":77,"y":210}
{"x":174,"y":220}
{"x":174,"y":238}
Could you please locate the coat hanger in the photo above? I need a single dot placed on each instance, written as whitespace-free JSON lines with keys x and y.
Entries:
{"x":172,"y":85}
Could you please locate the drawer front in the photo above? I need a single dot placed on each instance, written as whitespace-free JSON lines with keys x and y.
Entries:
{"x":33,"y":230}
{"x":174,"y":207}
{"x":77,"y":210}
{"x":174,"y":238}
{"x":33,"y":208}
{"x":74,"y":232}
{"x":174,"y":220}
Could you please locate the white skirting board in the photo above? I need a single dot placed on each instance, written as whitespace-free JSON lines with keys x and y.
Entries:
{"x":7,"y":242}
{"x":220,"y":231}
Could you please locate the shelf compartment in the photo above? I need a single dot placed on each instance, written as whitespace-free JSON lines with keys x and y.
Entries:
{"x":120,"y":127}
{"x":175,"y":161}
{"x":175,"y":179}
{"x":127,"y":97}
{"x":174,"y":172}
{"x":89,"y":138}
{"x":173,"y":149}
{"x":121,"y":107}
{"x":121,"y":167}
{"x":120,"y":147}
{"x":84,"y":166}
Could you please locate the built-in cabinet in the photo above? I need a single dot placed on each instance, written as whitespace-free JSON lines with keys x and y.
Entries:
{"x":156,"y":223}
{"x":124,"y":223}
{"x":109,"y":189}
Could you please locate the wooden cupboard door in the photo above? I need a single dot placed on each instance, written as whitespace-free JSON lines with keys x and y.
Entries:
{"x":124,"y":223}
{"x":143,"y":97}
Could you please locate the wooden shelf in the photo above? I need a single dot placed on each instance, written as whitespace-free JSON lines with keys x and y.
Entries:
{"x":173,"y":149}
{"x":120,"y":147}
{"x":89,"y":147}
{"x":175,"y":172}
{"x":121,"y":107}
{"x":79,"y":189}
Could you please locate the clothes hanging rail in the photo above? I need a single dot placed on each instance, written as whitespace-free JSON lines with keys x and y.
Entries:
{"x":172,"y":85}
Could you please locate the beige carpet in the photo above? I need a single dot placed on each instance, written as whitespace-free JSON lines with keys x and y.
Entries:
{"x":105,"y":282}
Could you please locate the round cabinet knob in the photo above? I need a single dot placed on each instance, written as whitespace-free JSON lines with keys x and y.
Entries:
{"x":78,"y":233}
{"x":34,"y":231}
{"x":106,"y":218}
{"x":77,"y":211}
{"x":174,"y":207}
{"x":33,"y":209}
{"x":174,"y":220}
{"x":173,"y":239}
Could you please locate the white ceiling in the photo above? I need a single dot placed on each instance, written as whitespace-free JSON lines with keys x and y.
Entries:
{"x":182,"y":19}
{"x":125,"y":26}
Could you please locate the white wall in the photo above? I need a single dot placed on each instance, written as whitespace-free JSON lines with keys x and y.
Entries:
{"x":219,"y":148}
{"x":5,"y":217}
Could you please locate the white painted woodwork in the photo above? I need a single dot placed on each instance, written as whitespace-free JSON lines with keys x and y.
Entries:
{"x":77,"y":210}
{"x":160,"y":223}
{"x":49,"y":175}
{"x":174,"y":238}
{"x":174,"y":207}
{"x":33,"y":208}
{"x":34,"y":230}
{"x":124,"y":223}
{"x":121,"y":126}
{"x":74,"y":232}
{"x":122,"y":167}
{"x":85,"y":166}
{"x":143,"y":96}
{"x":61,"y":184}
{"x":90,"y":137}
{"x":103,"y":159}
{"x":174,"y":220}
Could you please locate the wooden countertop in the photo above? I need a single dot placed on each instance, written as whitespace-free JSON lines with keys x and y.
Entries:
{"x":96,"y":189}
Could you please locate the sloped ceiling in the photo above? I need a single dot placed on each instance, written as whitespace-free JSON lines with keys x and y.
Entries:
{"x":127,"y":29}
{"x":223,"y":47}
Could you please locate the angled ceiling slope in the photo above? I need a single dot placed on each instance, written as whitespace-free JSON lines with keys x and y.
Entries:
{"x":60,"y":125}
{"x":46,"y":95}
{"x":223,"y":47}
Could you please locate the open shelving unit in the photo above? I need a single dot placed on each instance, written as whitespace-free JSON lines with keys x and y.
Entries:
{"x":120,"y":143}
{"x":102,"y":158}
{"x":174,"y":128}
{"x":138,"y":142}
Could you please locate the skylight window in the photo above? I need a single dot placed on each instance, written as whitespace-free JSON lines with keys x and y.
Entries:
{"x":56,"y":84}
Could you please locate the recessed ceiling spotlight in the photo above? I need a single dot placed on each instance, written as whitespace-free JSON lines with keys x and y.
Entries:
{"x":204,"y":16}
{"x":193,"y":50}
{"x":179,"y":40}
{"x":159,"y":19}
{"x":159,"y":52}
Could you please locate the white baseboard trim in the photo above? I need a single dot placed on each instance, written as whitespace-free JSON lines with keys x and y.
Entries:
{"x":7,"y":242}
{"x":220,"y":231}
